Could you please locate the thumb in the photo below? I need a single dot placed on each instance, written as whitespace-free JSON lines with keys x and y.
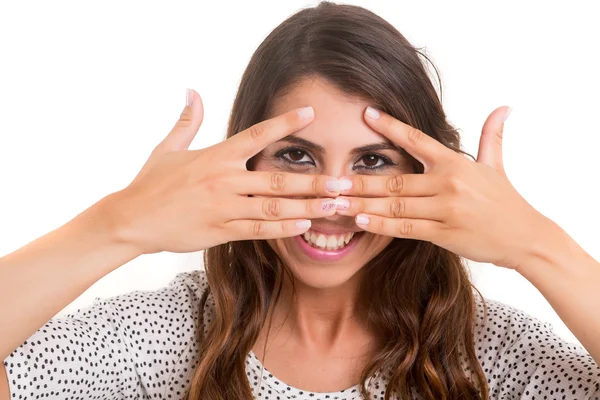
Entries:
{"x":186,"y":127}
{"x":490,"y":143}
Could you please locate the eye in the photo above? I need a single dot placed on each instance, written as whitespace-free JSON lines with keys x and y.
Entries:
{"x":294,"y":156}
{"x":372,"y":161}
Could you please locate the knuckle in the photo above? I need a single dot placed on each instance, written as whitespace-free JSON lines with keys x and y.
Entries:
{"x":256,"y":132}
{"x":455,"y":184}
{"x":271,"y":208}
{"x":397,"y":208}
{"x":454,"y":209}
{"x":406,"y":227}
{"x":414,"y":135}
{"x":211,"y":185}
{"x":395,"y":183}
{"x":185,"y":119}
{"x":308,"y":206}
{"x":284,"y":228}
{"x":360,"y":184}
{"x":276,"y":181}
{"x":315,"y":184}
{"x":358,"y":206}
{"x":257,"y":228}
{"x":498,"y":137}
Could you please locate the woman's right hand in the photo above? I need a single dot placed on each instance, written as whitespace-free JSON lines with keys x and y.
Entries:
{"x":188,"y":200}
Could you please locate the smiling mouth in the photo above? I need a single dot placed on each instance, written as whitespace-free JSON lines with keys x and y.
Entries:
{"x":322,"y":241}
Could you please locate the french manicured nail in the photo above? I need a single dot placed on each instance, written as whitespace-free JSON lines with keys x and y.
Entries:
{"x":342,"y":204}
{"x":189,"y":97}
{"x":345,"y":184}
{"x":362,"y":220}
{"x":303,"y":224}
{"x":306,"y":113}
{"x":508,"y":111}
{"x":329,"y":205}
{"x":372,"y":113}
{"x":333,"y":185}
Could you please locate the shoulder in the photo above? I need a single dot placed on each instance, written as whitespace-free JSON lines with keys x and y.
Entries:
{"x":135,"y":345}
{"x":179,"y":299}
{"x":522,"y":355}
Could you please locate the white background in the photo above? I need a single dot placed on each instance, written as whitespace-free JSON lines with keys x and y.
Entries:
{"x":88,"y":89}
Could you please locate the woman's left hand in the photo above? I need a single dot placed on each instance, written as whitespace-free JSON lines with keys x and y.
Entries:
{"x":467,"y":207}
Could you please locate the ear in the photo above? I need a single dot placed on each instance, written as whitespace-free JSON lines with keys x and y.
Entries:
{"x":490,"y":143}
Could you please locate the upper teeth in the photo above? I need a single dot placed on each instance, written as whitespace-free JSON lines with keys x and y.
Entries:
{"x":329,"y":242}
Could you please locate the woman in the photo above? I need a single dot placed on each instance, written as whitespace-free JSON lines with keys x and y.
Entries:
{"x":334,"y":219}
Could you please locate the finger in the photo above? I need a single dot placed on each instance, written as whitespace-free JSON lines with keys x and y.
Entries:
{"x":275,"y":183}
{"x":275,"y":208}
{"x":421,"y":146}
{"x":186,"y":127}
{"x":420,"y":229}
{"x":490,"y":143}
{"x":262,"y":230}
{"x":253,"y":140}
{"x":390,"y":185}
{"x":393,"y":207}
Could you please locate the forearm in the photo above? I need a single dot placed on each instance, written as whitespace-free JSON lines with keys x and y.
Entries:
{"x":41,"y":278}
{"x":569,"y":278}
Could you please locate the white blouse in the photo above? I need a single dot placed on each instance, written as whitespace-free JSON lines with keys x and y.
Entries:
{"x":140,"y":345}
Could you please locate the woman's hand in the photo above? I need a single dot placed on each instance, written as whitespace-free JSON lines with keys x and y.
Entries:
{"x":467,"y":207}
{"x":188,"y":200}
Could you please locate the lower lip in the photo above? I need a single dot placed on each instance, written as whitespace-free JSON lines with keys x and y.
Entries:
{"x":328,"y":255}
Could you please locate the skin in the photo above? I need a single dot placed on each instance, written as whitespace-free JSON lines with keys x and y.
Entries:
{"x":451,"y":205}
{"x":325,"y":326}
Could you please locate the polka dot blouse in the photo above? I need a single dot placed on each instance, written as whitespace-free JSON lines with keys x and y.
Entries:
{"x":140,"y":345}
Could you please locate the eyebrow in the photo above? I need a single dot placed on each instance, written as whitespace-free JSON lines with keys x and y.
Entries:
{"x":356,"y":151}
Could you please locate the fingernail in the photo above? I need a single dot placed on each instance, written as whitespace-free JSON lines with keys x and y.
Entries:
{"x":304,"y":224}
{"x":362,"y":220}
{"x":333,"y":185}
{"x":372,"y":113}
{"x":306,"y":113}
{"x":508,"y":111}
{"x":329,"y":205}
{"x":345,"y":184}
{"x":189,"y":97}
{"x":342,"y":204}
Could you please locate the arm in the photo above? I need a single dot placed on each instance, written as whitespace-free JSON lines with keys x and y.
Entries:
{"x":569,"y":278}
{"x":43,"y":277}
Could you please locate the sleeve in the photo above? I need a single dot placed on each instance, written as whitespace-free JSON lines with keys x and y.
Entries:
{"x":524,"y":358}
{"x":139,"y":345}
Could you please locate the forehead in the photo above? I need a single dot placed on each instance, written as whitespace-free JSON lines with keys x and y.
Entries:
{"x":338,"y":116}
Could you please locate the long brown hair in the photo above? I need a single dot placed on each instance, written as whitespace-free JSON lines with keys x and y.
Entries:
{"x":418,"y":295}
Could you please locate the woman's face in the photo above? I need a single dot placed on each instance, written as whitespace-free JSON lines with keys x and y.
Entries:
{"x":330,"y":145}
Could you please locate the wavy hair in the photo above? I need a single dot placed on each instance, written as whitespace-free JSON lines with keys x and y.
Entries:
{"x":425,"y":305}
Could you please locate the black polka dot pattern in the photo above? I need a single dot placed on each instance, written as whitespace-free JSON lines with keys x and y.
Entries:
{"x":140,"y":345}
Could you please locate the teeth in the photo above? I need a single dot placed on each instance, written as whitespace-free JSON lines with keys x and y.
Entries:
{"x":321,"y":241}
{"x":331,"y":243}
{"x":348,"y":237}
{"x":328,"y":242}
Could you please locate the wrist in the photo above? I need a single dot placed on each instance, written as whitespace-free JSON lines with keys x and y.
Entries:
{"x":106,"y":220}
{"x":552,"y":254}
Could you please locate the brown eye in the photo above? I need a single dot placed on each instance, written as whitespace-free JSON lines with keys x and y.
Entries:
{"x":296,"y":155}
{"x":370,"y":160}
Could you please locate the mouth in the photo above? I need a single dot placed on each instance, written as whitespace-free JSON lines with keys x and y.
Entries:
{"x":328,"y":247}
{"x":328,"y":242}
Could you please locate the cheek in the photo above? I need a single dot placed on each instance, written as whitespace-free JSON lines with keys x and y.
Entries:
{"x":379,"y":242}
